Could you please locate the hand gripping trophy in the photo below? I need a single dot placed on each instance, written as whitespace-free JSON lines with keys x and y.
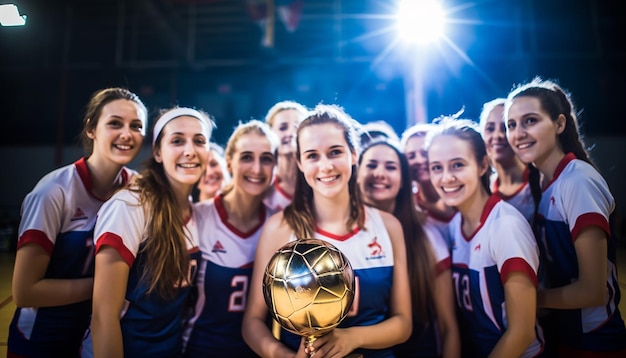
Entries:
{"x":308,"y":287}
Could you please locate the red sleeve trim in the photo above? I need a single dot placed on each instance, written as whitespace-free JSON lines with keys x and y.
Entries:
{"x":442,"y":266}
{"x":36,"y":237}
{"x":590,"y":219}
{"x":116,"y":242}
{"x":517,"y":264}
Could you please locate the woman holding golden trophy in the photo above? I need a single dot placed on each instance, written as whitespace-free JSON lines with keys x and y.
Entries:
{"x":329,"y":304}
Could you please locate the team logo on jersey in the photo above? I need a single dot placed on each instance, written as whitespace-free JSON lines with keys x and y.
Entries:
{"x":477,"y":248}
{"x":218,"y":247}
{"x":552,"y":200}
{"x":79,"y":215}
{"x":376,"y":251}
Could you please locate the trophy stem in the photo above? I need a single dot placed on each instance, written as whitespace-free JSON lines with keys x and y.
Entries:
{"x":310,"y":340}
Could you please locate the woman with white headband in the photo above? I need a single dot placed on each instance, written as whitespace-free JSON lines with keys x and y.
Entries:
{"x":147,"y":246}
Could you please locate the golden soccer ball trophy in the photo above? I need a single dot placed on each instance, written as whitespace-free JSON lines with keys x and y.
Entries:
{"x":308,"y":287}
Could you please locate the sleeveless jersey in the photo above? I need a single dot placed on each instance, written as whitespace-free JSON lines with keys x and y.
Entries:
{"x":59,"y":214}
{"x":223,"y":281}
{"x":578,"y":197}
{"x":502,"y":244}
{"x":151,"y":325}
{"x":370,"y":253}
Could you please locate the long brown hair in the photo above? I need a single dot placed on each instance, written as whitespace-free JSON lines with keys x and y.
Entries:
{"x":418,"y":250}
{"x":299,"y":214}
{"x":166,"y":263}
{"x":555,"y":101}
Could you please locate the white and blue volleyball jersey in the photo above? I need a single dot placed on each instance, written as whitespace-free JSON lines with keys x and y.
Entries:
{"x":577,"y":198}
{"x":276,"y":199}
{"x":223,"y":281}
{"x":59,"y":214}
{"x":151,"y":325}
{"x":522,"y":199}
{"x":370,"y":253}
{"x":481,"y":263}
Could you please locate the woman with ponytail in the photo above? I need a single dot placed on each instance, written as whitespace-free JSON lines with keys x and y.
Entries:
{"x":577,"y":248}
{"x":147,"y":245}
{"x":494,"y":258}
{"x":53,"y":274}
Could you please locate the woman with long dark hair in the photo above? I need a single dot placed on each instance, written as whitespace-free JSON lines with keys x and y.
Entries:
{"x":386,"y":184}
{"x":574,"y":223}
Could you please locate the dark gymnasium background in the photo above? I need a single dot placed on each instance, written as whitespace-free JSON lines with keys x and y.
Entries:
{"x":214,"y":55}
{"x":209,"y":54}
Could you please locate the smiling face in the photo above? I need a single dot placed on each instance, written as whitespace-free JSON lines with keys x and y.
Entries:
{"x":380,"y":175}
{"x":183,"y":150}
{"x":119,"y":133}
{"x":285,"y":124}
{"x":326,"y":160}
{"x":213,"y":179}
{"x":494,"y":134}
{"x":454,"y":170}
{"x":418,"y":162}
{"x":532,"y":133}
{"x":252,"y":163}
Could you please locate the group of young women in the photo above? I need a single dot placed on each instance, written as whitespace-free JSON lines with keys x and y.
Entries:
{"x":466,"y":240}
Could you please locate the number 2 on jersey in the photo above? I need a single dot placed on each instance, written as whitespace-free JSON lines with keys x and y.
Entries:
{"x":237,"y":300}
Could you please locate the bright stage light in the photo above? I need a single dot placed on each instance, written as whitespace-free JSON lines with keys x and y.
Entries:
{"x":420,"y":21}
{"x":10,"y":16}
